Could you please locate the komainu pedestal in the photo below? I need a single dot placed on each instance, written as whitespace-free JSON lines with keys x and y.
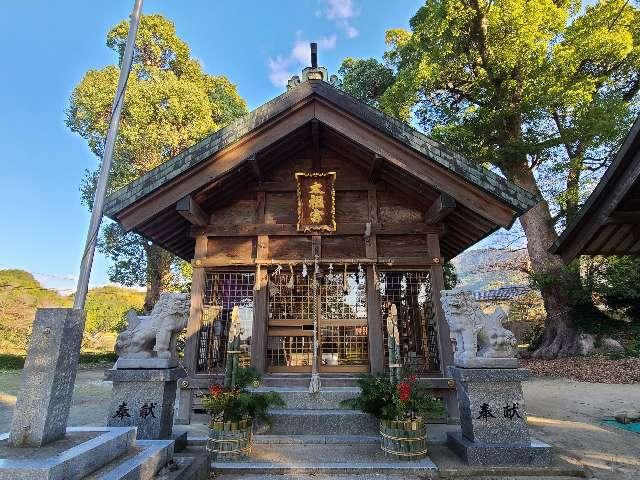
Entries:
{"x":493,"y":419}
{"x":144,"y":398}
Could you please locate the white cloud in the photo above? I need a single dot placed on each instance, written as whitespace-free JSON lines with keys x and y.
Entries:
{"x":279,"y":70}
{"x":341,"y":12}
{"x":328,"y":43}
{"x":281,"y":67}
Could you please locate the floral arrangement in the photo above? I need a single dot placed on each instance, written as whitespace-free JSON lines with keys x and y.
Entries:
{"x":238,"y":403}
{"x":405,"y":400}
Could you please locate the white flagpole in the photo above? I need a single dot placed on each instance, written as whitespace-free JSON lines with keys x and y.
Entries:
{"x":107,"y":157}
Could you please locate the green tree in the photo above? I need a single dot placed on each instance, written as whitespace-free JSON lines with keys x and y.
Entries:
{"x":170,"y":104}
{"x":106,"y":309}
{"x":365,"y":80}
{"x":532,"y":88}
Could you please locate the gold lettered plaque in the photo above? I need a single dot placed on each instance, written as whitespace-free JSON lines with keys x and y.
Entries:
{"x":316,"y":202}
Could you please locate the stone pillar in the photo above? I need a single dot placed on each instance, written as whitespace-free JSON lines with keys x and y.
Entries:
{"x":144,"y":398}
{"x":493,"y":419}
{"x":48,"y":377}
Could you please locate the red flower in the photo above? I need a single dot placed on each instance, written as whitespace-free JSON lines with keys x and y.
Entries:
{"x":215,"y":390}
{"x":404,"y":391}
{"x":412,"y":378}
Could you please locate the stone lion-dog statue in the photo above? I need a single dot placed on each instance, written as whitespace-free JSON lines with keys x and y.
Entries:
{"x":481,"y":340}
{"x":155,"y":335}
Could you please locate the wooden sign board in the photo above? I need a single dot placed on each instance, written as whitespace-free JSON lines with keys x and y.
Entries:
{"x":316,"y":202}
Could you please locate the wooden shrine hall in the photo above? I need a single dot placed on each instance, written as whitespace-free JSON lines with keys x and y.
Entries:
{"x":315,"y":184}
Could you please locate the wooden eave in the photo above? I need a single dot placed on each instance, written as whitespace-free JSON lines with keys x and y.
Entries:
{"x":214,"y":170}
{"x":609,"y":222}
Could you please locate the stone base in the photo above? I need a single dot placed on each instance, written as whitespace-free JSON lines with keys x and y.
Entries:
{"x":145,"y":363}
{"x":144,"y":398}
{"x":478,"y":362}
{"x":535,"y":454}
{"x":80,"y":452}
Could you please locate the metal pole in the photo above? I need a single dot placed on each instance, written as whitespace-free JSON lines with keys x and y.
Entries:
{"x":107,"y":157}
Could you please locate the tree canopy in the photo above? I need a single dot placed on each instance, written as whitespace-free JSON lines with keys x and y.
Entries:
{"x":170,"y":104}
{"x":540,"y":90}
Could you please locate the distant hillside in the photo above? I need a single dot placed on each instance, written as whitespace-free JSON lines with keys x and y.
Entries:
{"x":490,"y":268}
{"x":21,"y":294}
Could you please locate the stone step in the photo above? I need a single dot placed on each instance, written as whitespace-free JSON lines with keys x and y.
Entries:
{"x":141,"y":462}
{"x":321,"y":422}
{"x":302,"y":380}
{"x":81,"y":451}
{"x":201,"y":441}
{"x":322,"y":459}
{"x":299,"y":398}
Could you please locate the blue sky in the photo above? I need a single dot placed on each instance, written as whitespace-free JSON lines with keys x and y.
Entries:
{"x":48,"y":47}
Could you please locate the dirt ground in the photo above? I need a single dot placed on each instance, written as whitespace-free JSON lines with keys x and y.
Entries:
{"x":564,"y":413}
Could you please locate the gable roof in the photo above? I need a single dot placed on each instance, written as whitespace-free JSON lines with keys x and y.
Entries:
{"x":609,"y":221}
{"x":225,"y":163}
{"x":517,"y":198}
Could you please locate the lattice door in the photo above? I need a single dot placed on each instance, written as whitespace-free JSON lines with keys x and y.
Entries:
{"x":342,"y":323}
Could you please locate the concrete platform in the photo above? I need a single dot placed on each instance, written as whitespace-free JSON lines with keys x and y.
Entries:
{"x":368,"y":463}
{"x":64,"y":461}
{"x":278,"y":459}
{"x":299,"y":398}
{"x":535,"y":454}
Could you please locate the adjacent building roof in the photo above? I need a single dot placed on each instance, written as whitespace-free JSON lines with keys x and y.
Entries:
{"x":502,"y":293}
{"x":609,"y":222}
{"x":151,"y":199}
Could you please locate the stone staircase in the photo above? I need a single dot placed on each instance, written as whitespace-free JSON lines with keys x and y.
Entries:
{"x":314,"y":434}
{"x":317,"y":415}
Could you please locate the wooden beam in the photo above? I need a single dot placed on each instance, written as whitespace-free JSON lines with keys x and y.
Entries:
{"x":628,"y":217}
{"x":440,"y":208}
{"x":189,"y":209}
{"x":289,"y":229}
{"x":414,"y":164}
{"x":382,"y":261}
{"x":255,"y":166}
{"x":316,"y":165}
{"x":183,"y":414}
{"x":375,"y":167}
{"x":260,"y":310}
{"x":444,"y":336}
{"x":341,"y":186}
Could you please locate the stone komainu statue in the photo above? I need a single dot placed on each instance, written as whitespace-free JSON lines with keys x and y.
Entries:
{"x":478,"y":335}
{"x":157,"y":331}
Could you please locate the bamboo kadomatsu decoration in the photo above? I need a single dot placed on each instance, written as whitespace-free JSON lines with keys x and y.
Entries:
{"x":393,"y":344}
{"x":314,"y":384}
{"x":233,"y":350}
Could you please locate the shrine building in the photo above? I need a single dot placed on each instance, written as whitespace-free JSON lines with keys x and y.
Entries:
{"x":316,"y":184}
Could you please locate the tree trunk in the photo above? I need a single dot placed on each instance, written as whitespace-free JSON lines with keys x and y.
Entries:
{"x":158,"y":274}
{"x":560,"y":338}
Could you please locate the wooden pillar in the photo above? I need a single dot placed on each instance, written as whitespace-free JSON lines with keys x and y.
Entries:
{"x":260,"y":308}
{"x":444,"y":337}
{"x":376,"y":343}
{"x":183,"y":415}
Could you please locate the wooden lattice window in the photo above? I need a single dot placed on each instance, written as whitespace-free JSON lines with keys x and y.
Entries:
{"x":410,"y":291}
{"x":223,"y":291}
